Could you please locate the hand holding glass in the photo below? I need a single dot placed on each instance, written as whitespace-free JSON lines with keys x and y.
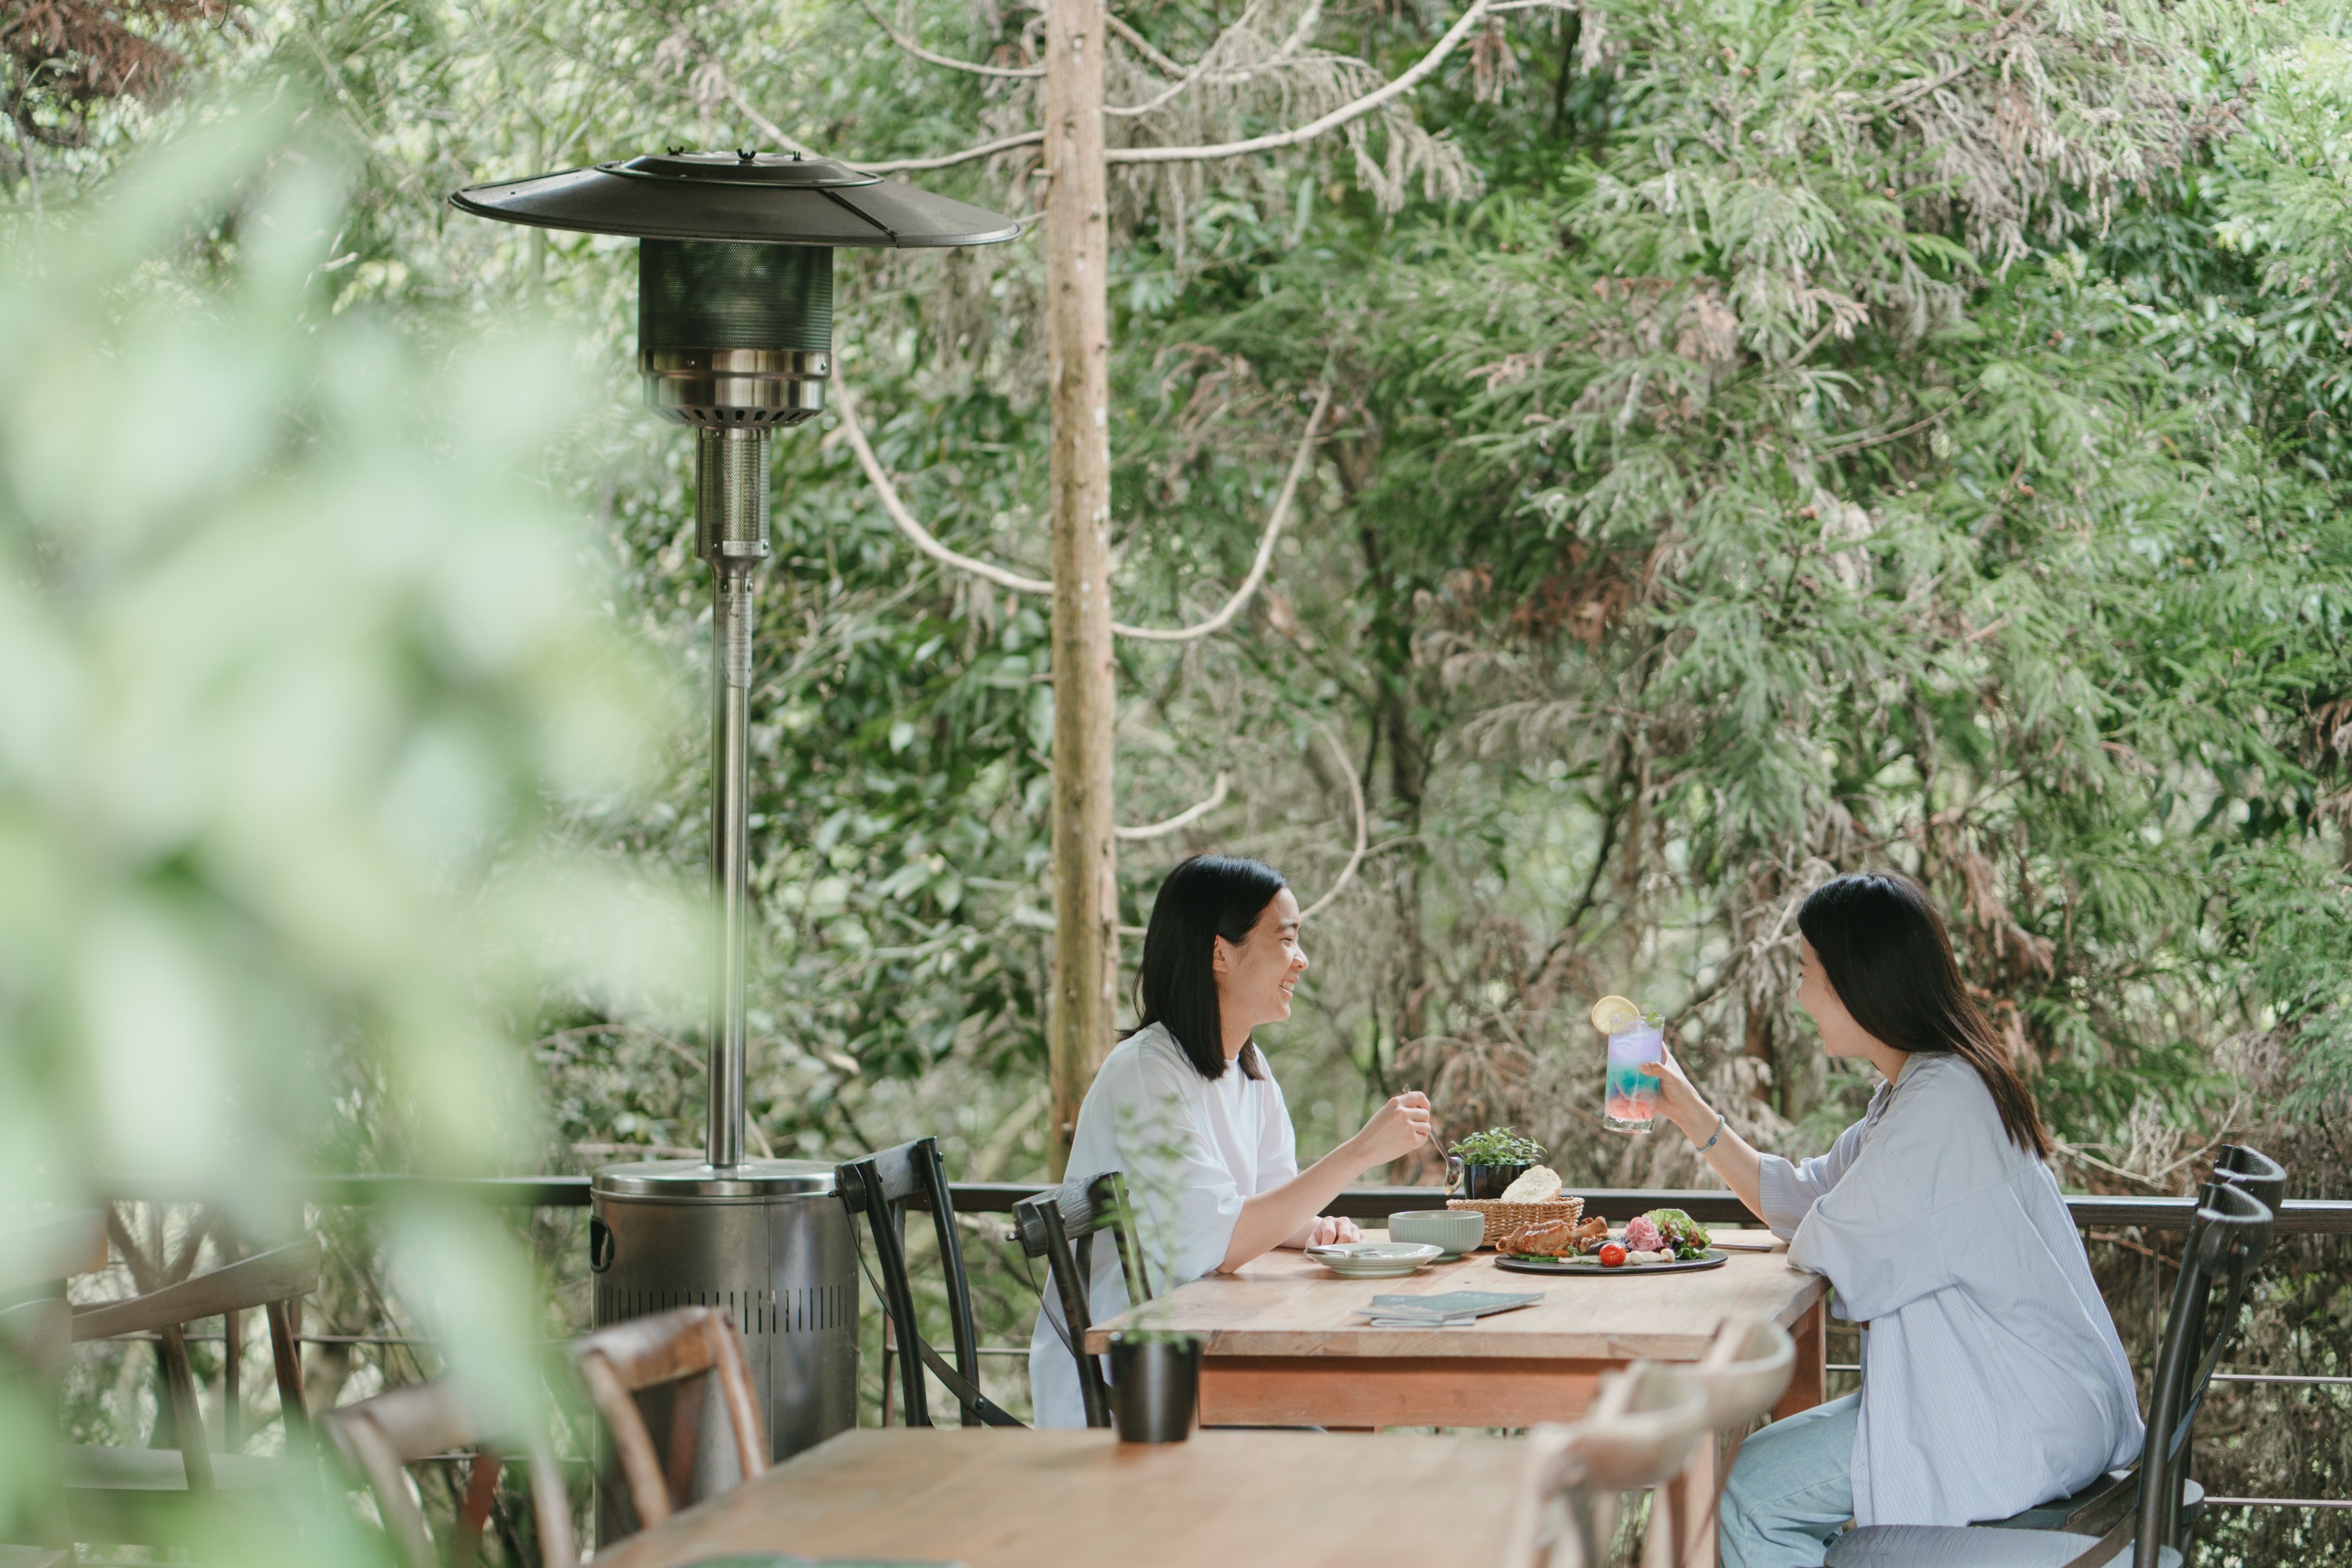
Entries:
{"x":1634,"y":1052}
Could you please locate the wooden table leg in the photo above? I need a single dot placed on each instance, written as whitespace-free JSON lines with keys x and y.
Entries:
{"x":1806,"y":1381}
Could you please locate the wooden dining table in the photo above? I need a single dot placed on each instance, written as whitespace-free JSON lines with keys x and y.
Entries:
{"x":1281,"y":1345}
{"x":998,"y":1497}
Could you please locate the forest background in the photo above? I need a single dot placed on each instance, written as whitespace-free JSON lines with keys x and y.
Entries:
{"x":1768,"y":439}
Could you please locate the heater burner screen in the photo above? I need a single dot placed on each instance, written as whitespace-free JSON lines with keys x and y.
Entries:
{"x":735,"y":336}
{"x":707,"y":294}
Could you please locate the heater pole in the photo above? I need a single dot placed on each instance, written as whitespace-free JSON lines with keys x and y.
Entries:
{"x":1082,"y":1011}
{"x":731,"y":531}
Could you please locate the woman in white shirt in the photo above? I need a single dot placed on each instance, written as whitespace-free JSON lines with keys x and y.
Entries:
{"x":1186,"y":1108}
{"x":1992,"y":1377}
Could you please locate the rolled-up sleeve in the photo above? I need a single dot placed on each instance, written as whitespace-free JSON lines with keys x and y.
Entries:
{"x":1788,"y":1192}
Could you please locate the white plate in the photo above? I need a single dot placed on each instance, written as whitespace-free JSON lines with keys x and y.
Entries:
{"x":1376,"y":1259}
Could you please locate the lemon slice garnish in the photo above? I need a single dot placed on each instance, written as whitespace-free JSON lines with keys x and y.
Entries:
{"x":1611,"y":1014}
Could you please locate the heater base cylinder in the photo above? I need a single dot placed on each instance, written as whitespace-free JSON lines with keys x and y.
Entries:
{"x":769,"y":1243}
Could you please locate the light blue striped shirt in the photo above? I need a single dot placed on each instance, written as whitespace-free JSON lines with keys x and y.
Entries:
{"x":1993,"y":1376}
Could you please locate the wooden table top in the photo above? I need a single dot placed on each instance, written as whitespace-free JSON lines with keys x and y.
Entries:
{"x":998,"y":1497}
{"x":1285,"y":1305}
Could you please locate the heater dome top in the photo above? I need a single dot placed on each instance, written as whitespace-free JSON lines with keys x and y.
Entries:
{"x":754,"y":197}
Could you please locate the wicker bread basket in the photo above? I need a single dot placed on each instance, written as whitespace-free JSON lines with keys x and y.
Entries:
{"x":1503,"y":1218}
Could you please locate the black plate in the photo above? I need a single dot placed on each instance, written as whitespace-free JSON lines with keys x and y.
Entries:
{"x":1712,"y":1257}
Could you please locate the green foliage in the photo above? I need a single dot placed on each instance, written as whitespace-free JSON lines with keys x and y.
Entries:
{"x":298,"y":673}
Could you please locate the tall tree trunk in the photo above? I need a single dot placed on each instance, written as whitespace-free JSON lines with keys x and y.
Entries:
{"x":1078,"y":344}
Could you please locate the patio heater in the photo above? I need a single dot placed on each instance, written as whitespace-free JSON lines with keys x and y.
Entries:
{"x":735,"y":338}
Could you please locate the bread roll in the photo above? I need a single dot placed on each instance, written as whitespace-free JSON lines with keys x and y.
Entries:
{"x":1538,"y":1184}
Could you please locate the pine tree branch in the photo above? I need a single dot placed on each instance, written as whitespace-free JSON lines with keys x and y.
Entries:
{"x":1345,"y":112}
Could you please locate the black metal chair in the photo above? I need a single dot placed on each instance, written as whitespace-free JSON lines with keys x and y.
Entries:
{"x":883,"y":1187}
{"x":2253,"y":1170}
{"x":2226,"y":1240}
{"x":1048,"y":1225}
{"x":2098,"y":1506}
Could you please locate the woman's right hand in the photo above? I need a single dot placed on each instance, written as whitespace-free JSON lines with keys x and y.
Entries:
{"x":1683,"y":1104}
{"x":1396,"y":1129}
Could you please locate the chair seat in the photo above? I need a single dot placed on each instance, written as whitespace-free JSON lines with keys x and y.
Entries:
{"x":1966,"y":1546}
{"x":2095,"y":1507}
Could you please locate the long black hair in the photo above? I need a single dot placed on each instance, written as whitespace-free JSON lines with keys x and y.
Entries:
{"x":1204,"y":897}
{"x":1883,"y":946}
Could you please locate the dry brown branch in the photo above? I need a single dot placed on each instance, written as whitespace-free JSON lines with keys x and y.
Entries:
{"x":1185,"y":818}
{"x":915,"y":532}
{"x":1363,"y":830}
{"x":775,"y":133}
{"x":929,"y":543}
{"x":948,"y":61}
{"x":1356,"y":110}
{"x":1267,"y":541}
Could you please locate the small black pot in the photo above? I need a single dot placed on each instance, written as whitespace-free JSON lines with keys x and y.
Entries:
{"x":1489,"y":1181}
{"x":1154,"y":1387}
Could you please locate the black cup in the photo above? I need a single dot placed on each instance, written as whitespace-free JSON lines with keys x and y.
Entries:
{"x":1154,"y":1386}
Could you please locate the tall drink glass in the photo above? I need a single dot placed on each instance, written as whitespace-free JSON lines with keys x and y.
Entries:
{"x":1634,"y":1052}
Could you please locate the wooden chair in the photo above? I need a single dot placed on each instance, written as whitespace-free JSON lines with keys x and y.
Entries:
{"x":1642,"y":1425}
{"x":2226,"y":1240}
{"x":134,"y":1494}
{"x":1047,"y":1225}
{"x":36,"y":1347}
{"x":616,"y":1363}
{"x":381,"y":1437}
{"x":883,"y":1187}
{"x":1742,"y":1375}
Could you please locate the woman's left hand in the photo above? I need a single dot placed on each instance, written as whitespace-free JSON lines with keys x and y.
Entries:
{"x":1328,"y":1230}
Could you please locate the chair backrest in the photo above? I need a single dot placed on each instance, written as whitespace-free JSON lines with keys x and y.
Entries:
{"x":883,"y":1187}
{"x":1742,"y":1374}
{"x":2226,"y":1240}
{"x":380,"y":1437}
{"x":2253,"y":1171}
{"x":1060,"y":1227}
{"x":643,"y":1352}
{"x":1640,"y":1431}
{"x":276,"y":1280}
{"x":1745,"y":1371}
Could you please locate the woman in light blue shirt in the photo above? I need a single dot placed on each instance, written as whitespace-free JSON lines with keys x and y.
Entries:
{"x":1993,"y":1376}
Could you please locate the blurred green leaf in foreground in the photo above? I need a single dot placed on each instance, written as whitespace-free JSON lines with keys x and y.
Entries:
{"x":296,"y":674}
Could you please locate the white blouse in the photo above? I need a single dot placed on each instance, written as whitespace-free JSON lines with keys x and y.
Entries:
{"x":1193,"y":1151}
{"x":1993,"y":1376}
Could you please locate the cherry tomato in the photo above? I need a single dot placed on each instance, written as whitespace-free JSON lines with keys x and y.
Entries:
{"x":1613,"y":1256}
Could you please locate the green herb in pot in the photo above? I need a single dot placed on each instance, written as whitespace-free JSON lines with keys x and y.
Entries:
{"x":1497,"y":1146}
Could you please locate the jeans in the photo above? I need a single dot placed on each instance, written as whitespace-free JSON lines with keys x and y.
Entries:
{"x":1791,"y":1490}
